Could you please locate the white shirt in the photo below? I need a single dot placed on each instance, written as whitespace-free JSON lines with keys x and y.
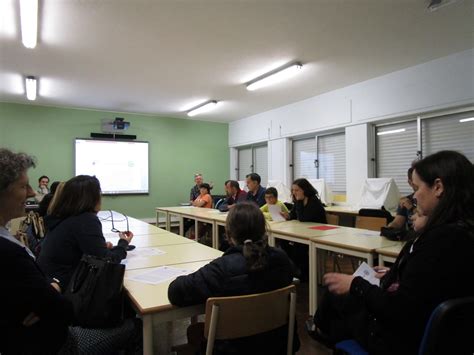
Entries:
{"x":4,"y":233}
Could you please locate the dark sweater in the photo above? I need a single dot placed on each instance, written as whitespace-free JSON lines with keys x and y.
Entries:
{"x":312,"y":212}
{"x":229,"y":276}
{"x":439,"y":268}
{"x":67,"y":240}
{"x":24,"y":289}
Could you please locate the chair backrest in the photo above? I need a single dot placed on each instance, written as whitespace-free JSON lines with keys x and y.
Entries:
{"x":372,"y":223}
{"x":450,"y":329}
{"x":332,"y":219}
{"x":242,"y":316}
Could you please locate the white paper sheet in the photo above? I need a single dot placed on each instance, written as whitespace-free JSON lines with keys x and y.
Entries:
{"x":368,"y":233}
{"x":367,"y":273}
{"x":159,"y":275}
{"x":275,"y":213}
{"x":144,"y":252}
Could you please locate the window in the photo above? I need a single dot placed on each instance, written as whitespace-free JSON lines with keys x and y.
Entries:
{"x":254,"y":160}
{"x":448,"y":133}
{"x":399,"y":144}
{"x":304,"y":159}
{"x":321,"y":157}
{"x":396,"y":147}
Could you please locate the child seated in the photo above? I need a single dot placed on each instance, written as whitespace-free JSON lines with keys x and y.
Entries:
{"x":271,"y":197}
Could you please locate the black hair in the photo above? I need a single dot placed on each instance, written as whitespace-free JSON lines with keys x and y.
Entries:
{"x":54,"y":186}
{"x":272,"y":191}
{"x":43,"y":177}
{"x":246,"y":226}
{"x":254,"y":177}
{"x":410,"y":173}
{"x":80,"y":194}
{"x":206,"y":186}
{"x":308,"y":189}
{"x":456,"y":173}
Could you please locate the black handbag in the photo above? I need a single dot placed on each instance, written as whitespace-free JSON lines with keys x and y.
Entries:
{"x":96,"y":292}
{"x":394,"y":234}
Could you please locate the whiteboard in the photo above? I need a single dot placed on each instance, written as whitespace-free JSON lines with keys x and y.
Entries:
{"x":120,"y":166}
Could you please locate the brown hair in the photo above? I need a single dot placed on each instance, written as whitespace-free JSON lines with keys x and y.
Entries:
{"x":79,"y":194}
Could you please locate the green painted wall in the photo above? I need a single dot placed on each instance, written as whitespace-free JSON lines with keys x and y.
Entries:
{"x":178,"y":149}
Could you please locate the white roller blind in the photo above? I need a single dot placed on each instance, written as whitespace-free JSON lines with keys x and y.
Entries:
{"x":304,"y":155}
{"x":332,"y":161}
{"x":245,"y":162}
{"x":261,"y":163}
{"x":447,"y":133}
{"x":396,"y":152}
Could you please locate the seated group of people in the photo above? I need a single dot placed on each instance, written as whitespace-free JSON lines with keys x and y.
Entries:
{"x":390,"y":319}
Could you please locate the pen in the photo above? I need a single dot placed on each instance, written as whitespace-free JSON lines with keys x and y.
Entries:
{"x":382,"y":270}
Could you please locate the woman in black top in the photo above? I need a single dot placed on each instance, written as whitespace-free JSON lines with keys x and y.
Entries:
{"x":307,"y":208}
{"x":434,"y":267}
{"x":34,"y":316}
{"x":307,"y":205}
{"x":249,"y":266}
{"x":74,"y":229}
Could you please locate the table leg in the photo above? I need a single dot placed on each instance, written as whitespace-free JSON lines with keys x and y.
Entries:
{"x":370,"y":260}
{"x":147,"y":334}
{"x":313,"y":278}
{"x":168,"y":221}
{"x":181,"y":225}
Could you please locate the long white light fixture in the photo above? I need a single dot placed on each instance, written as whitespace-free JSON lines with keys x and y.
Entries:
{"x":466,"y":119}
{"x":30,"y":84}
{"x":29,"y":22}
{"x":204,"y":107}
{"x":275,"y":76}
{"x":393,"y":131}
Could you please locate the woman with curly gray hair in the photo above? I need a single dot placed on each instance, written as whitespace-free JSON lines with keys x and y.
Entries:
{"x":34,"y":314}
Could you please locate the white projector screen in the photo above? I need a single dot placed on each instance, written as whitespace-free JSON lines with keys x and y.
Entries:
{"x":120,"y":166}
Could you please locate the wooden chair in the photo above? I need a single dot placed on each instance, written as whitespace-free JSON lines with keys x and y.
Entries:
{"x":332,"y":219}
{"x":242,"y":316}
{"x":372,"y":223}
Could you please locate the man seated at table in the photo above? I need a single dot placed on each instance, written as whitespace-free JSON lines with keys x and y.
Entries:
{"x":256,"y":191}
{"x":271,"y":197}
{"x":195,"y":191}
{"x":405,"y":210}
{"x":236,"y":195}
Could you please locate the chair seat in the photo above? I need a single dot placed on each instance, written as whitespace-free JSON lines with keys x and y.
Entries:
{"x":350,"y":347}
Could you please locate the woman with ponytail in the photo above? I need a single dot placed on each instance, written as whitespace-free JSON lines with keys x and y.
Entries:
{"x":249,"y":266}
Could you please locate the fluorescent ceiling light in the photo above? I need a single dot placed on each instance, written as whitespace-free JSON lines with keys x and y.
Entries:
{"x":275,"y":76}
{"x":391,"y":132}
{"x":466,"y":119}
{"x":205,"y":107}
{"x":29,"y":22}
{"x":30,"y":83}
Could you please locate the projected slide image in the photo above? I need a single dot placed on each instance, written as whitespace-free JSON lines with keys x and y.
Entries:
{"x":120,"y":166}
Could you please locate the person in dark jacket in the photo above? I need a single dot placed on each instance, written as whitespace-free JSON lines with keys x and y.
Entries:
{"x":235,"y":195}
{"x":34,"y":317}
{"x":307,"y":205}
{"x":307,"y":208}
{"x":249,"y":266}
{"x":256,"y":191}
{"x":74,"y":229}
{"x":434,"y":267}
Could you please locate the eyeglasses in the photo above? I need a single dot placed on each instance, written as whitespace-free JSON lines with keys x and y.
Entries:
{"x":115,"y":230}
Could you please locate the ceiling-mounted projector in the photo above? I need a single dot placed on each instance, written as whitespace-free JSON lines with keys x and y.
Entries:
{"x":117,"y":125}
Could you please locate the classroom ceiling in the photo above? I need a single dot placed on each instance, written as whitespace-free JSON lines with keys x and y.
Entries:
{"x":162,"y":57}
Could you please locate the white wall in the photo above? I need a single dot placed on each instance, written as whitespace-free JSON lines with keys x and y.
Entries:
{"x":439,"y":84}
{"x":359,"y":165}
